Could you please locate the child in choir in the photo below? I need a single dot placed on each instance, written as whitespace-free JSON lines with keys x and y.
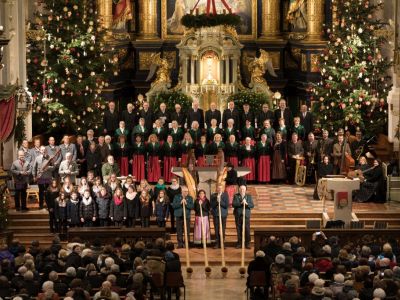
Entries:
{"x":96,"y":187}
{"x":212,"y":130}
{"x":87,"y":210}
{"x":160,"y":186}
{"x":173,"y":190}
{"x":73,"y":211}
{"x":264,"y":159}
{"x":201,"y":150}
{"x":138,"y":161}
{"x":195,"y":132}
{"x":216,"y":145}
{"x":60,"y":213}
{"x":117,"y":208}
{"x":230,"y":130}
{"x":122,"y":154}
{"x":268,"y":130}
{"x":53,"y":191}
{"x":145,"y":208}
{"x":161,"y":210}
{"x":121,"y":130}
{"x":231,"y":181}
{"x":299,"y":129}
{"x":186,"y":146}
{"x":176,"y":132}
{"x":83,"y":186}
{"x":103,"y":206}
{"x":153,"y":161}
{"x":160,"y":131}
{"x":67,"y":186}
{"x":170,"y":153}
{"x":282,"y":128}
{"x":279,"y":158}
{"x":128,"y":182}
{"x":232,"y":151}
{"x":247,"y":156}
{"x":248,"y":131}
{"x":132,"y":206}
{"x":112,"y":183}
{"x":203,"y":204}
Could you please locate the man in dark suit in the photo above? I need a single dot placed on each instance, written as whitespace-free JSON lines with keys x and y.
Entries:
{"x":110,"y":119}
{"x":265,"y":114}
{"x":220,"y":198}
{"x":129,"y":116}
{"x":231,"y":113}
{"x":148,"y":116}
{"x":21,"y":170}
{"x":178,"y":115}
{"x":195,"y":114}
{"x":247,"y":114}
{"x":283,"y":112}
{"x":213,"y":113}
{"x":306,"y":119}
{"x":239,"y":200}
{"x":163,"y":115}
{"x":295,"y":151}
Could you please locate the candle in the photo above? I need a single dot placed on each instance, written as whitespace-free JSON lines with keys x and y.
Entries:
{"x":1,"y":28}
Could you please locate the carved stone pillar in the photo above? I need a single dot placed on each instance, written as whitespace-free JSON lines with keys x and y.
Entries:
{"x":185,"y":70}
{"x":148,"y":19}
{"x":270,"y":19}
{"x":105,"y":14}
{"x":192,"y":70}
{"x":227,"y":70}
{"x":315,"y":19}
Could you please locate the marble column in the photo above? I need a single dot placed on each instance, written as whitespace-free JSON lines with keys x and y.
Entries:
{"x":148,"y":19}
{"x":270,"y":19}
{"x":221,"y":71}
{"x":185,"y":70}
{"x":234,"y":69}
{"x":191,"y":70}
{"x":227,"y":70}
{"x":315,"y":19}
{"x":198,"y":71}
{"x":105,"y":14}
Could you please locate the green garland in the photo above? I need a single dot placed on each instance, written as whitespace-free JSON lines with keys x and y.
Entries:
{"x":170,"y":99}
{"x":210,"y":20}
{"x":255,"y":100}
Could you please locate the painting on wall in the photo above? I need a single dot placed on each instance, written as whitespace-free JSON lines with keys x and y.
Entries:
{"x":174,"y":10}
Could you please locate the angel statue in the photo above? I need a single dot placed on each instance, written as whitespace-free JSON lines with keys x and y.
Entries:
{"x":297,"y":15}
{"x":257,"y":70}
{"x":163,"y":80}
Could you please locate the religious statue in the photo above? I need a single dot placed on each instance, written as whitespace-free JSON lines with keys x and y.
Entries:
{"x":163,"y":80}
{"x":257,"y":69}
{"x":122,"y":14}
{"x":174,"y":23}
{"x":297,"y":15}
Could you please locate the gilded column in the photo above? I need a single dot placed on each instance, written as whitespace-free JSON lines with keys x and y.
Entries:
{"x":270,"y":19}
{"x":105,"y":13}
{"x":315,"y":19}
{"x":148,"y":19}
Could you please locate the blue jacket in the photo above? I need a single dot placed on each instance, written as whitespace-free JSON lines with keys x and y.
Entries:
{"x":224,"y":204}
{"x":177,"y":206}
{"x":237,"y":204}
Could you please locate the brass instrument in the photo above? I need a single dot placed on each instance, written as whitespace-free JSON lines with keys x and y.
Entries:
{"x":301,"y":172}
{"x":311,"y":167}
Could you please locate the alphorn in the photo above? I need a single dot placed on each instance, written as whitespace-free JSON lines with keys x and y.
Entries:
{"x":203,"y":234}
{"x":221,"y":237}
{"x":243,"y":232}
{"x":186,"y":234}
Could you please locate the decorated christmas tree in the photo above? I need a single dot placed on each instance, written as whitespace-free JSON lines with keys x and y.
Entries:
{"x":354,"y":86}
{"x":68,"y":66}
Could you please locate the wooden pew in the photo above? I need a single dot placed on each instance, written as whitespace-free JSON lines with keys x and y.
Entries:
{"x":108,"y":234}
{"x":261,"y":235}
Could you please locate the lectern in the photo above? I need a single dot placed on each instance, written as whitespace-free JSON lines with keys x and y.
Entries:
{"x":342,"y":195}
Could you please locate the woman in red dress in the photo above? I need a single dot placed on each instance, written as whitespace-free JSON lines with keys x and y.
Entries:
{"x":186,"y":145}
{"x":201,"y":150}
{"x":264,"y":160}
{"x":122,"y":153}
{"x":153,"y":159}
{"x":170,"y":153}
{"x":232,"y":151}
{"x":247,"y":156}
{"x":138,"y":154}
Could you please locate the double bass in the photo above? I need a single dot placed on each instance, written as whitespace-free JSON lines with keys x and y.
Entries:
{"x":347,"y":162}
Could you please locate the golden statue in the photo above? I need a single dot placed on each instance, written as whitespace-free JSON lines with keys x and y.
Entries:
{"x":163,"y":69}
{"x":259,"y":66}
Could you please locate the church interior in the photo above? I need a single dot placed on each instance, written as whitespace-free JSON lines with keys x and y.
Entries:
{"x":173,"y":149}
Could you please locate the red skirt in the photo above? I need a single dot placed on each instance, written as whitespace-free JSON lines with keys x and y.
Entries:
{"x":233,"y":160}
{"x":231,"y":190}
{"x":169,"y":162}
{"x":184,"y":159}
{"x":263,"y":169}
{"x":201,"y":162}
{"x":123,"y":163}
{"x":153,"y":169}
{"x":138,"y":167}
{"x":251,"y":164}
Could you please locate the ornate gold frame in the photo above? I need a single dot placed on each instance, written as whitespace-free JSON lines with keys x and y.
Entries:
{"x":166,"y":36}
